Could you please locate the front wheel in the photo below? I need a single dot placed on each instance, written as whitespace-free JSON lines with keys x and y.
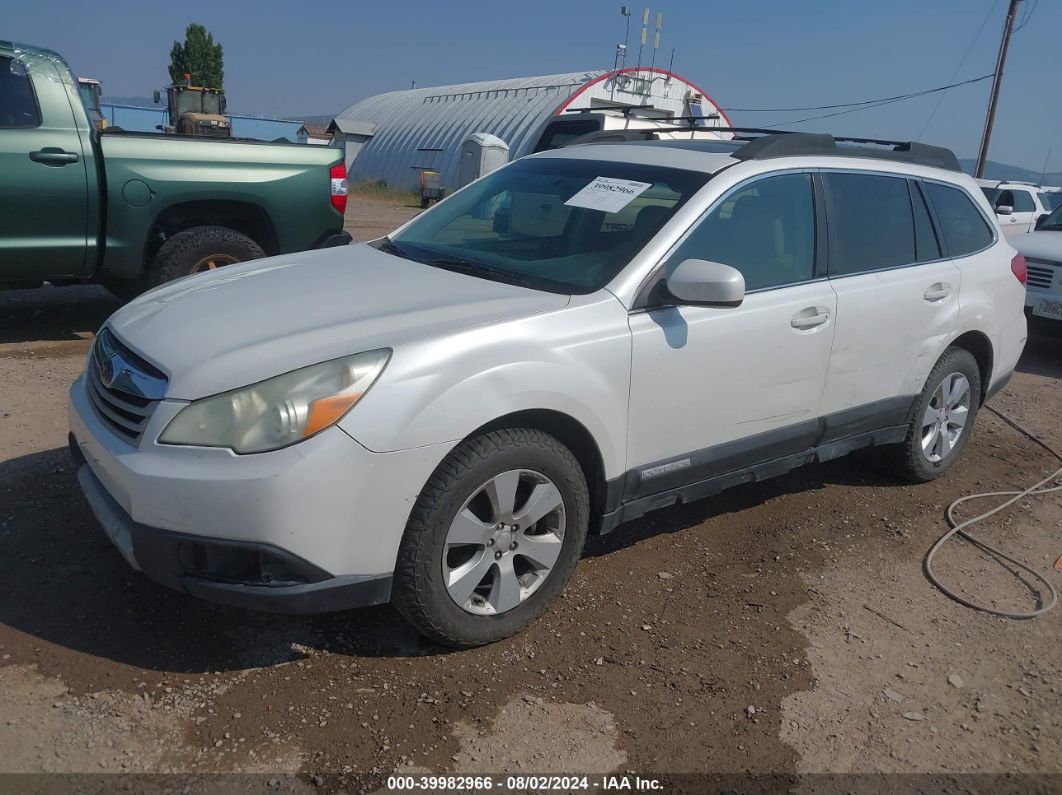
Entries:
{"x":943,"y":417}
{"x":493,"y":538}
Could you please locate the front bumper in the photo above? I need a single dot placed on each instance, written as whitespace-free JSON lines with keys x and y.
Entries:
{"x":181,"y":562}
{"x":318,"y":522}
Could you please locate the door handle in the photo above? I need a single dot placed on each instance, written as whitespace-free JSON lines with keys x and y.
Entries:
{"x":937,"y":292}
{"x":809,"y":318}
{"x":53,"y":156}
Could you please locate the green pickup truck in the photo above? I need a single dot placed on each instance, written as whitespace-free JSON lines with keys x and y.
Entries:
{"x":131,"y":210}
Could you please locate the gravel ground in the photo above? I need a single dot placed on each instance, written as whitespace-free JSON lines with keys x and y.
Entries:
{"x":781,"y":628}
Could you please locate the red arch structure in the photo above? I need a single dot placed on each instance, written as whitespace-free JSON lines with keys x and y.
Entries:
{"x":635,"y":69}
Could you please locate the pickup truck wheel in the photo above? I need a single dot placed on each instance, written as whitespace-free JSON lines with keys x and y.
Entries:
{"x":493,"y":538}
{"x":200,"y":249}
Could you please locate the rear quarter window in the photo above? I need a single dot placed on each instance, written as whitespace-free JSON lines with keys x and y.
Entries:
{"x":18,"y":104}
{"x":962,"y":225}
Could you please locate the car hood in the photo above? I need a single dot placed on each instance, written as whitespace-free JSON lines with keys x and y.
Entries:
{"x":244,"y":323}
{"x":1040,"y":245}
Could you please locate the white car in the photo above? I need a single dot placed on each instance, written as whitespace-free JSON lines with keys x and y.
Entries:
{"x":1019,"y":205}
{"x":1043,"y":254}
{"x":440,"y":417}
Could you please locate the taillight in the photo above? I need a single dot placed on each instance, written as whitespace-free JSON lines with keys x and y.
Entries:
{"x":338,"y":178}
{"x":1017,"y":267}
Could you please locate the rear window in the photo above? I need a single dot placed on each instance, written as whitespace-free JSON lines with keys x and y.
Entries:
{"x":1051,"y":201}
{"x":870,"y":222}
{"x":964,"y":228}
{"x":18,"y":105}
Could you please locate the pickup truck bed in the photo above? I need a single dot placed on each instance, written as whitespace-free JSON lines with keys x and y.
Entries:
{"x":135,"y":209}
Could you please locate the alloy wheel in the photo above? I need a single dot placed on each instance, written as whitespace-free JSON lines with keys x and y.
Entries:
{"x":504,"y":542}
{"x":945,"y":417}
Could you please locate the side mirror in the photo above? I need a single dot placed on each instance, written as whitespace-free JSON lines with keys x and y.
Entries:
{"x":157,"y":96}
{"x":1040,"y":220}
{"x":1004,"y":209}
{"x":224,"y":104}
{"x":700,"y":282}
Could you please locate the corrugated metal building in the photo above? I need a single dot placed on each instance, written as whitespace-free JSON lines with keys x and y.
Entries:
{"x":392,"y":137}
{"x":147,"y":119}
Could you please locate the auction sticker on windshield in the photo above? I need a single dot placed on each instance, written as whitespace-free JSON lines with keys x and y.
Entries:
{"x":608,"y":194}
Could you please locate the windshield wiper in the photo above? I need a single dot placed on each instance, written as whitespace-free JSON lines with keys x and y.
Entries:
{"x":388,"y":246}
{"x":479,"y":269}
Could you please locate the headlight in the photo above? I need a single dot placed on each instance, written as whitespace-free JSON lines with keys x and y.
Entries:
{"x":280,"y":411}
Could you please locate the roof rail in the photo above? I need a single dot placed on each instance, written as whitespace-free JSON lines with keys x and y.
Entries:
{"x":790,"y":144}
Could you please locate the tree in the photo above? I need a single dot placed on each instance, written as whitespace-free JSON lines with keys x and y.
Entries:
{"x":199,"y":56}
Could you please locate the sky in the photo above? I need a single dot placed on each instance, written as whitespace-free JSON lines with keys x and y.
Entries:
{"x":295,"y":59}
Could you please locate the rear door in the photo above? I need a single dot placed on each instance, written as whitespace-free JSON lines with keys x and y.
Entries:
{"x":897,"y":299}
{"x":1023,"y":217}
{"x":43,"y":183}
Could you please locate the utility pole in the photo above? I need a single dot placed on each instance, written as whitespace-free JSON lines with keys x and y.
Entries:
{"x":997,"y":79}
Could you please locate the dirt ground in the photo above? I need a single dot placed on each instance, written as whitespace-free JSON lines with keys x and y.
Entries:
{"x":781,"y":628}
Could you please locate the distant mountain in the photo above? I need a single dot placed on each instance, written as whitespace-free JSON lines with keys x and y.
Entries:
{"x":1001,"y":171}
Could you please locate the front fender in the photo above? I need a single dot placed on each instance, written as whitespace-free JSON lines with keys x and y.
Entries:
{"x":574,"y":360}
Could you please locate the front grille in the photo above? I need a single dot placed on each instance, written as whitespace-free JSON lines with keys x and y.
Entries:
{"x":122,"y":387}
{"x":1041,"y":274}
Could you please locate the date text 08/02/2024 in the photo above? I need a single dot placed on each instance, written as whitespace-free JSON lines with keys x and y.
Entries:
{"x":523,"y":783}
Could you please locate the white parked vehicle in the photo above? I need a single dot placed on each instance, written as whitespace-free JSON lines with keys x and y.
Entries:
{"x":1043,"y":253}
{"x":1019,"y":205}
{"x":439,"y":417}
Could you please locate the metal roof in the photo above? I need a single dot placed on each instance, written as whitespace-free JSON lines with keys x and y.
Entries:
{"x":423,"y":128}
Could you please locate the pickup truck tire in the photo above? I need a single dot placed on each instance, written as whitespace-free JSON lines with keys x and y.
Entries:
{"x":199,"y":249}
{"x":520,"y":571}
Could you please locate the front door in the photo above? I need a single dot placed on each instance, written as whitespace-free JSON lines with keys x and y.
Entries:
{"x":43,"y":185}
{"x":717,"y":389}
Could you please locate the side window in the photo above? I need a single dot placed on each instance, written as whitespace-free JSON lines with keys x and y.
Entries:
{"x":765,"y":229}
{"x":961,"y":223}
{"x":18,"y":106}
{"x":1023,"y":202}
{"x":871,"y":223}
{"x":926,"y":246}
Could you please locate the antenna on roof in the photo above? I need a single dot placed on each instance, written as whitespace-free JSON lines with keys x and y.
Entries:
{"x":641,"y":46}
{"x":656,"y":37}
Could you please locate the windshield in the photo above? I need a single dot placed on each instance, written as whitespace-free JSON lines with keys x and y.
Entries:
{"x":90,"y":95}
{"x":192,"y":101}
{"x":1052,"y":200}
{"x":565,"y":226}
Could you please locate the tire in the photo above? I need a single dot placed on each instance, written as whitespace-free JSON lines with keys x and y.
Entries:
{"x":913,"y":461}
{"x":461,"y":485}
{"x":192,"y":250}
{"x":125,"y":290}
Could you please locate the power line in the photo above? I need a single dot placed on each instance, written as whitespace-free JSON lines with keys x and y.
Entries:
{"x":882,"y":102}
{"x":955,"y":74}
{"x":1029,"y":9}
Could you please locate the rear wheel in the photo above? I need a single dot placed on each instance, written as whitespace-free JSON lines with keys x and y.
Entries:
{"x":201,"y":249}
{"x":943,"y":417}
{"x":493,"y":539}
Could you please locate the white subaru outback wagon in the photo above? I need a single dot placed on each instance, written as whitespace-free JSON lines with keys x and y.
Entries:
{"x":439,"y":417}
